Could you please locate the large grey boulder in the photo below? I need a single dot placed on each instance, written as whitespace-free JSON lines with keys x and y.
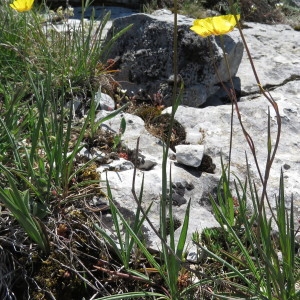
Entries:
{"x":145,"y":57}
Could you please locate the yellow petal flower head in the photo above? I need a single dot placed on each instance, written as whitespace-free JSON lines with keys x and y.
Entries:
{"x":22,"y":5}
{"x":215,"y":25}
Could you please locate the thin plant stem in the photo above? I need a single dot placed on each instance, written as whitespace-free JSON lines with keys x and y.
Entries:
{"x":229,"y":93}
{"x":270,"y":157}
{"x":232,"y":106}
{"x":167,"y":144}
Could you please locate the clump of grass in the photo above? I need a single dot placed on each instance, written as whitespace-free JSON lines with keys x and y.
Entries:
{"x":44,"y":73}
{"x":74,"y":56}
{"x":193,"y":9}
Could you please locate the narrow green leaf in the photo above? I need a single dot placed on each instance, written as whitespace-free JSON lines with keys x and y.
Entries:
{"x":111,"y":115}
{"x":140,"y":244}
{"x":110,"y":240}
{"x":123,"y":125}
{"x":184,"y":230}
{"x":133,"y":295}
{"x":114,"y":213}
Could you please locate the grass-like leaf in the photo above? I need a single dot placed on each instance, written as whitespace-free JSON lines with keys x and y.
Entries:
{"x":134,"y":295}
{"x":18,"y":203}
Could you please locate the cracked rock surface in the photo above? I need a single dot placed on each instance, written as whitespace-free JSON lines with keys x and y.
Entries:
{"x":144,"y":55}
{"x":276,"y":53}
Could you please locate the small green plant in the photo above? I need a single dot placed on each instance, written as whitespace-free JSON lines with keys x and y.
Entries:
{"x":124,"y":244}
{"x":19,"y":205}
{"x":270,"y":275}
{"x":39,"y":156}
{"x":225,"y":199}
{"x":118,"y":136}
{"x":149,"y":7}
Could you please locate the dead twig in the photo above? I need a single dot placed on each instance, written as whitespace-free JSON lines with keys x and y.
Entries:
{"x":118,"y":275}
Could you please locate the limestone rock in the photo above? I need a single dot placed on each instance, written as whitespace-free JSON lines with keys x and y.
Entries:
{"x":104,"y":101}
{"x":276,"y":59}
{"x":215,"y":122}
{"x":189,"y":155}
{"x":211,"y":126}
{"x":185,"y":183}
{"x":145,"y":58}
{"x":276,"y":55}
{"x":117,"y":166}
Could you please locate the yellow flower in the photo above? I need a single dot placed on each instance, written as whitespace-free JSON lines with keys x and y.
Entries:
{"x":215,"y":25}
{"x":22,"y":5}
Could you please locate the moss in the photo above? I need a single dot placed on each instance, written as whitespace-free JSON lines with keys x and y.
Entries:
{"x":90,"y":173}
{"x":60,"y":282}
{"x":207,"y":165}
{"x":147,"y":113}
{"x":297,"y":27}
{"x":160,"y":125}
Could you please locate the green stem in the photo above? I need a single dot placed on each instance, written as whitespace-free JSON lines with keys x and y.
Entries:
{"x":167,"y":144}
{"x":232,"y":104}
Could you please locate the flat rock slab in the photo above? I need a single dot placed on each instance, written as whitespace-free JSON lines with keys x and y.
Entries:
{"x":275,"y":50}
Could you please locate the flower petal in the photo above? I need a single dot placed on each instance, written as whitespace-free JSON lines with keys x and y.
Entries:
{"x":22,"y":5}
{"x":214,"y":25}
